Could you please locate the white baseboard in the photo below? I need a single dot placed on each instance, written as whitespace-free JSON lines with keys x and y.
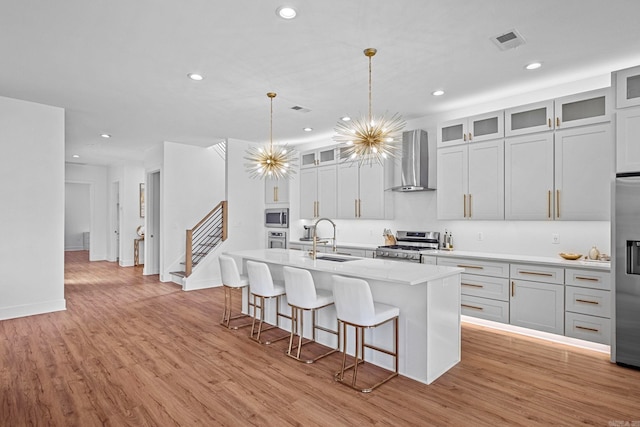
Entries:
{"x":32,"y":309}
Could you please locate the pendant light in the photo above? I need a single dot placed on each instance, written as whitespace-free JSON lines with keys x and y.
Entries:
{"x":370,"y":139}
{"x":272,"y":161}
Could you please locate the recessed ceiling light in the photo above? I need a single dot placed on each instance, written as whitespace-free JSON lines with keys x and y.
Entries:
{"x":286,"y":12}
{"x":105,"y":135}
{"x":345,"y":118}
{"x":438,"y":92}
{"x":307,"y":129}
{"x":75,"y":156}
{"x":195,"y":76}
{"x":533,"y":66}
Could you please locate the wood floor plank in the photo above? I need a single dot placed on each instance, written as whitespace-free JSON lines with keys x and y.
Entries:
{"x":132,"y":351}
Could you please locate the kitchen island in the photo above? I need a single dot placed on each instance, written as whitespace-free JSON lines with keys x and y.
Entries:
{"x":428,"y":298}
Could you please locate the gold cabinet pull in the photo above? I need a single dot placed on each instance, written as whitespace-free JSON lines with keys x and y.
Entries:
{"x":549,"y":204}
{"x":469,"y":136}
{"x":591,"y":279}
{"x":535,"y":273}
{"x":464,"y":137}
{"x":513,"y":288}
{"x":557,"y":203}
{"x":359,"y":208}
{"x":557,"y":121}
{"x":586,"y":301}
{"x":549,"y":122}
{"x":472,"y":307}
{"x":355,"y":207}
{"x":584,"y":328}
{"x":472,"y":285}
{"x":470,"y":266}
{"x":469,"y":205}
{"x":464,"y":205}
{"x":275,"y":193}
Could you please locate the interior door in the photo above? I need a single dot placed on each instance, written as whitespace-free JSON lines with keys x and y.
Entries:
{"x":152,"y":236}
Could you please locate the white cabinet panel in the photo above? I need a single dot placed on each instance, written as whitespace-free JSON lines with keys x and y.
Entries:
{"x":538,"y":306}
{"x":318,"y":192}
{"x":627,"y":145}
{"x":483,"y":127}
{"x":276,"y":191}
{"x":583,"y":109}
{"x":589,"y":328}
{"x":497,"y":311}
{"x":594,"y":302}
{"x":485,"y":286}
{"x":530,"y":118}
{"x":486,"y":181}
{"x":588,"y":278}
{"x":627,"y":87}
{"x":529,"y":177}
{"x":537,"y":273}
{"x":453,"y":181}
{"x":479,"y":267}
{"x":583,"y":168}
{"x":347,"y":191}
{"x":361,"y":192}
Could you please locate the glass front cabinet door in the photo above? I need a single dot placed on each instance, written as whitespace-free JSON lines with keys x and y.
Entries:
{"x":627,"y":84}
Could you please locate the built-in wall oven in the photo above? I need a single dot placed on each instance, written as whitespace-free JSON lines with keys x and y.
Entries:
{"x":276,"y":218}
{"x":277,"y":240}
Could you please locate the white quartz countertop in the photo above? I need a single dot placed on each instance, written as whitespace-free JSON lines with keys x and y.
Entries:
{"x":406,"y":273}
{"x":529,"y":259}
{"x":366,"y":246}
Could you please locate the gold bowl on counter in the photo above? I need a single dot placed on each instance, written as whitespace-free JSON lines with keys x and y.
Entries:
{"x":570,"y":256}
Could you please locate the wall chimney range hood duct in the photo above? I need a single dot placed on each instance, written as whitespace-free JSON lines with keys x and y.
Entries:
{"x":418,"y":163}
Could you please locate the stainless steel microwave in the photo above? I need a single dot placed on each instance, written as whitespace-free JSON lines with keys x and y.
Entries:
{"x":276,"y":218}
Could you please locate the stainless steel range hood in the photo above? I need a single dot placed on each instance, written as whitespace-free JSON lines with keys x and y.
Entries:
{"x":417,"y":171}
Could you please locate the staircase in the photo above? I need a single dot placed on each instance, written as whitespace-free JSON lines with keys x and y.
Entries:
{"x":204,"y":237}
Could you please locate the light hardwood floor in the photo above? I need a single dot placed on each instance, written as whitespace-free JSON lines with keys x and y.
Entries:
{"x":130,"y":350}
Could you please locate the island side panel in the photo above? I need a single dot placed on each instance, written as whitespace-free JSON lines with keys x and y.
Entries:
{"x":444,"y":336}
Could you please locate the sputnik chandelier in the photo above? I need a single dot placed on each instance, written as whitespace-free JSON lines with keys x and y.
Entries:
{"x":270,"y":162}
{"x":370,"y":139}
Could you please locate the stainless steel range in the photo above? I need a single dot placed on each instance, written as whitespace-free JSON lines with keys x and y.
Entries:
{"x":410,"y":245}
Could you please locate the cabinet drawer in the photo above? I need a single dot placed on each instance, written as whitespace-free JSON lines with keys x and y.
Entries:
{"x":429,"y":260}
{"x":588,"y":278}
{"x":482,"y":268}
{"x":589,"y":328}
{"x":485,"y":287}
{"x":595,"y":302}
{"x":538,"y":273}
{"x":484,"y":308}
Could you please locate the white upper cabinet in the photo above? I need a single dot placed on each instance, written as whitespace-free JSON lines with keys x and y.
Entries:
{"x":276,"y":191}
{"x":528,"y":180}
{"x":582,"y":109}
{"x":627,"y":145}
{"x":318,"y":192}
{"x":529,"y":118}
{"x":319,"y":157}
{"x":361,"y":191}
{"x":453,"y":182}
{"x":471,"y":181}
{"x":627,"y":84}
{"x":482,"y":127}
{"x":583,"y":167}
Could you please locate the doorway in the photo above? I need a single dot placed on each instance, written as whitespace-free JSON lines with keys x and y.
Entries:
{"x":114,"y":253}
{"x":77,"y":216}
{"x":152,"y":236}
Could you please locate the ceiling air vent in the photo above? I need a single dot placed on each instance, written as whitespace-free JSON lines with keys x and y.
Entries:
{"x":509,"y":40}
{"x":300,"y":109}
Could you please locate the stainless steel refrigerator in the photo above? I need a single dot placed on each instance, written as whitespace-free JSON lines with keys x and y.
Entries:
{"x":627,"y":269}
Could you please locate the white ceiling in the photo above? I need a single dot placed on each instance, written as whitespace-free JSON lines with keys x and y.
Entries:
{"x":120,"y":66}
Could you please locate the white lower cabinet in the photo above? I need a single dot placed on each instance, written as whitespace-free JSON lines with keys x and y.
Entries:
{"x":575,"y":302}
{"x":537,"y":305}
{"x":588,"y":305}
{"x":484,"y":287}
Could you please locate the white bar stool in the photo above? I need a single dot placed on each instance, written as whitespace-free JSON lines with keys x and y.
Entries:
{"x":232,"y":280}
{"x":302,"y":295}
{"x":355,"y":307}
{"x":262,"y":287}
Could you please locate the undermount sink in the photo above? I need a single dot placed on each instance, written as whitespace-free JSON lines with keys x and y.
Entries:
{"x":334,"y":258}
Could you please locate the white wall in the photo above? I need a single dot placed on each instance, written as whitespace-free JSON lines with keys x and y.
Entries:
{"x":96,"y":177}
{"x":417,"y":211}
{"x":193,"y":184}
{"x":77,"y":215}
{"x":32,"y":194}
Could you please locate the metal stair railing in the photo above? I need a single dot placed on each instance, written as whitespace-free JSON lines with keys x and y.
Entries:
{"x":205,"y":235}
